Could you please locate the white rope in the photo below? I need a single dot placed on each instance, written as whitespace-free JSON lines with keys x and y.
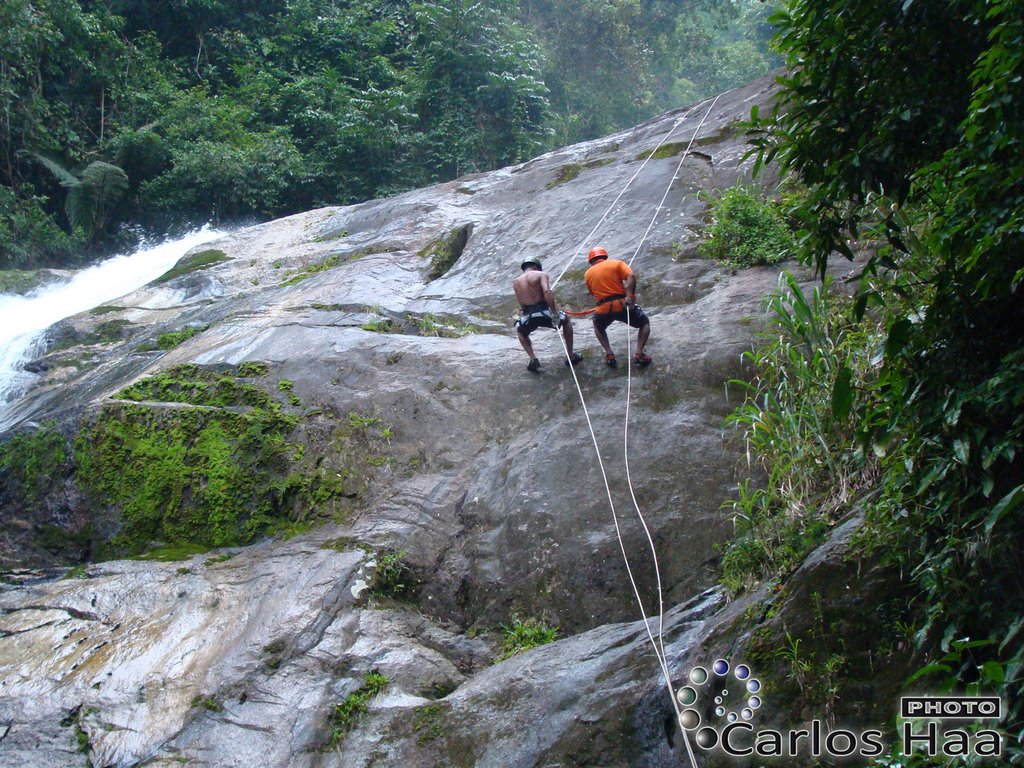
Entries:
{"x":660,"y":648}
{"x":659,"y":644}
{"x":629,"y":385}
{"x":583,"y":243}
{"x":675,"y":176}
{"x":660,"y":653}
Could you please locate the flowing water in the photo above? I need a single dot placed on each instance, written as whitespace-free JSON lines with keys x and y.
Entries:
{"x":24,"y":319}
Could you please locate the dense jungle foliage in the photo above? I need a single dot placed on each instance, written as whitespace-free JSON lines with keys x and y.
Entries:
{"x":120,"y":116}
{"x":905,"y":123}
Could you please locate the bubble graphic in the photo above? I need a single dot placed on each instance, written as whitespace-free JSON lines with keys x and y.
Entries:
{"x":721,"y":667}
{"x":719,"y":711}
{"x":686,"y":696}
{"x":707,"y":738}
{"x":725,"y":691}
{"x":689,"y":719}
{"x":754,"y":685}
{"x":718,"y":699}
{"x":698,"y":675}
{"x":742,"y":672}
{"x":747,"y":713}
{"x":732,"y":717}
{"x":754,"y":702}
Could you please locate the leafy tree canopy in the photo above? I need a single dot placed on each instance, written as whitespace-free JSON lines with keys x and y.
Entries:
{"x":210,"y":109}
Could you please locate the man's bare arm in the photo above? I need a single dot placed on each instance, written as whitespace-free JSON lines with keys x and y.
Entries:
{"x":630,"y":284}
{"x":549,"y":297}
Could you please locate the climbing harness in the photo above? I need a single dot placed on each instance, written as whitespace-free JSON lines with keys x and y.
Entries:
{"x":659,"y":644}
{"x":536,"y":315}
{"x":592,"y":310}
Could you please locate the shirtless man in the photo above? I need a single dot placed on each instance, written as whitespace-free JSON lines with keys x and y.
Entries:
{"x":537,"y":302}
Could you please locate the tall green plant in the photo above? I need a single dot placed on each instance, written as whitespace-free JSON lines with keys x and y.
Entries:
{"x":908,"y":118}
{"x":746,"y":230}
{"x":93,"y":195}
{"x":799,"y":434}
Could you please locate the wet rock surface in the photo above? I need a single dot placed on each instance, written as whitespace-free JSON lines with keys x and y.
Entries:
{"x":487,"y":484}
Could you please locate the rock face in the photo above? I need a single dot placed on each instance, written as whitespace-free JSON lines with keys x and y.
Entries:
{"x":481,"y":477}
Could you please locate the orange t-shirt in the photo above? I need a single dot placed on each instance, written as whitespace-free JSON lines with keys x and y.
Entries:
{"x":604,"y":279}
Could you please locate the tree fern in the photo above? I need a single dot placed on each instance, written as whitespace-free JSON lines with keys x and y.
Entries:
{"x":89,"y":203}
{"x":92,"y":195}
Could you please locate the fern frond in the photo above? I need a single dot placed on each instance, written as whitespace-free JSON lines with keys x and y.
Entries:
{"x":62,"y":174}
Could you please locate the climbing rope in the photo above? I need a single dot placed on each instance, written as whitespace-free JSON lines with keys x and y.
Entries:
{"x":583,"y":243}
{"x":629,"y":378}
{"x":659,"y":644}
{"x":658,"y":652}
{"x":675,"y":176}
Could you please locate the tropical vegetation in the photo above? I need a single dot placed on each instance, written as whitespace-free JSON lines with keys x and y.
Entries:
{"x":119,"y":118}
{"x":904,"y":121}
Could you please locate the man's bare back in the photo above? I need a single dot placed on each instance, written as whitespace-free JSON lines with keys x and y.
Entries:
{"x":531,"y":287}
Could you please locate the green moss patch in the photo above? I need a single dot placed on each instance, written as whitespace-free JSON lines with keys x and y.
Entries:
{"x":348,"y":713}
{"x":209,"y":477}
{"x":105,"y":309}
{"x":31,"y":462}
{"x":22,"y":281}
{"x":428,"y":722}
{"x":522,"y":635}
{"x":313,"y":269}
{"x":430,"y":325}
{"x":445,"y":251}
{"x":193,"y":263}
{"x":209,"y":461}
{"x":328,"y":237}
{"x":193,"y":385}
{"x":252,"y":369}
{"x":171,"y":339}
{"x":378,"y":324}
{"x":669,"y":149}
{"x":567,"y":173}
{"x":394,"y":578}
{"x":104,"y":333}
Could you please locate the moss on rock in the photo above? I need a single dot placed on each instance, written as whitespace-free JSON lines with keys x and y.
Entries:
{"x":193,"y":455}
{"x":313,"y":269}
{"x":445,"y":251}
{"x":31,"y":462}
{"x":567,"y":173}
{"x":195,"y":262}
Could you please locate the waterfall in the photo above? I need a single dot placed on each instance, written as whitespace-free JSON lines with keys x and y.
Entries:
{"x":24,"y":319}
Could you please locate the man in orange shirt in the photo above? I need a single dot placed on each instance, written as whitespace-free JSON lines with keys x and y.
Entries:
{"x":613,"y":284}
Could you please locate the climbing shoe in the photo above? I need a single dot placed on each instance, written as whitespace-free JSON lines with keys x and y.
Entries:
{"x":576,"y":358}
{"x":610,"y":360}
{"x":533,"y":365}
{"x":641,"y":359}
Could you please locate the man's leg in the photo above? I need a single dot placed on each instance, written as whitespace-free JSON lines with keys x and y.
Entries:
{"x":567,"y":334}
{"x":525,"y":341}
{"x":602,"y":338}
{"x":641,"y":337}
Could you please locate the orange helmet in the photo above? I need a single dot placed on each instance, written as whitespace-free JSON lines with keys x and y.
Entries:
{"x":596,"y":253}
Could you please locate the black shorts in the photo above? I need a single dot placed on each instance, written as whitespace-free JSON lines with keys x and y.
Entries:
{"x":636,"y":317}
{"x":538,"y":316}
